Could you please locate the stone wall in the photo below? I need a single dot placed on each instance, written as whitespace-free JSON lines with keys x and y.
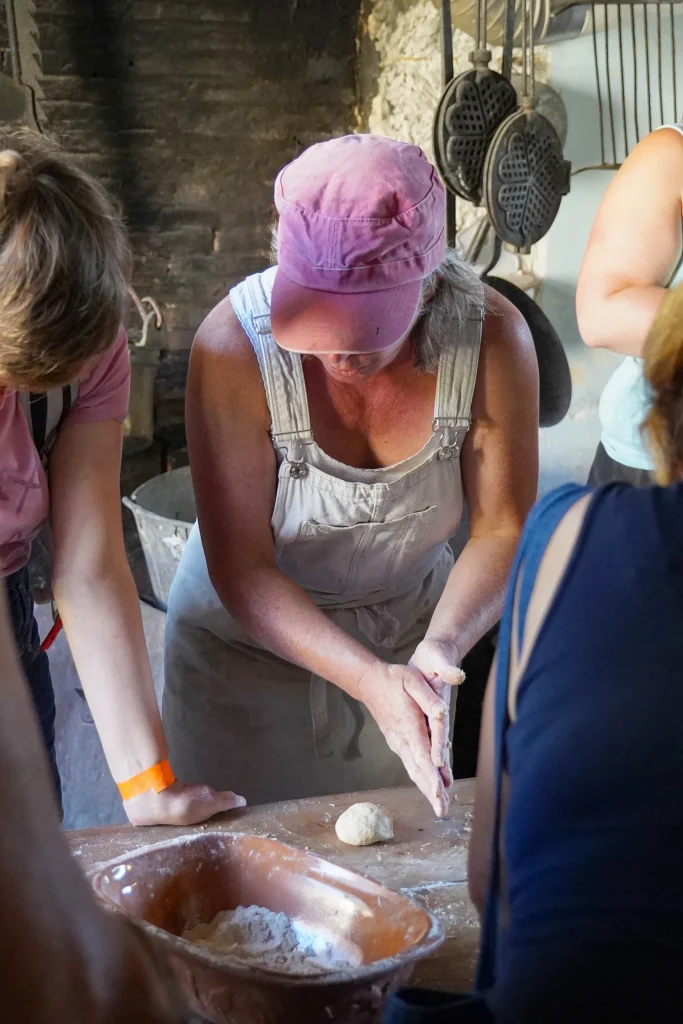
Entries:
{"x":188,"y":108}
{"x":400,"y":74}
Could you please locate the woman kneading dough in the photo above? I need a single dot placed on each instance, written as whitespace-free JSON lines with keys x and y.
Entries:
{"x":342,"y":407}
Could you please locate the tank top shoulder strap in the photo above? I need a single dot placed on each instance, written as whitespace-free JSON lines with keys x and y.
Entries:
{"x":456,"y":378}
{"x":282,"y":374}
{"x":543,"y":520}
{"x":676,"y":125}
{"x":45,"y":412}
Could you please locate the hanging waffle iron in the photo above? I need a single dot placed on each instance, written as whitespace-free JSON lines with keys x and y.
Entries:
{"x":525,"y":173}
{"x":470,"y":110}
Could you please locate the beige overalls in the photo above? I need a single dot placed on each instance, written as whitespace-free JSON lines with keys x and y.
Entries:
{"x":369,"y":546}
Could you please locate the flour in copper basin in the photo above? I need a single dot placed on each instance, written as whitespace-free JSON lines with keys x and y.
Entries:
{"x":274,"y":942}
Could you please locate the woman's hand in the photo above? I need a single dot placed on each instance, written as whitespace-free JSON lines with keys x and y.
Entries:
{"x":406,"y":708}
{"x":180,"y":805}
{"x":438,"y":662}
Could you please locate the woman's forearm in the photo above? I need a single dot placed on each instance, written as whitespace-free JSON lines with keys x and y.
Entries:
{"x":472,"y":600}
{"x":277,"y":613}
{"x":101,"y":615}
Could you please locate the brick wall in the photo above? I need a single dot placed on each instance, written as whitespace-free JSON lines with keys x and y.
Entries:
{"x":188,"y":108}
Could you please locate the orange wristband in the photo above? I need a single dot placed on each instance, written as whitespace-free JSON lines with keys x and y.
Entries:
{"x":159,"y":777}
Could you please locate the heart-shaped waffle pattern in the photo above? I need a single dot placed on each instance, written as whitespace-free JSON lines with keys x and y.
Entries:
{"x":527,"y":177}
{"x":474,"y":104}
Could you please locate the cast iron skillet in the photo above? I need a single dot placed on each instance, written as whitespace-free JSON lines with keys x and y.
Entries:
{"x":555,"y":385}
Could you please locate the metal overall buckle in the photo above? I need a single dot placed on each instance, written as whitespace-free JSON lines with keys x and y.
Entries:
{"x":295,"y":457}
{"x":450,"y":448}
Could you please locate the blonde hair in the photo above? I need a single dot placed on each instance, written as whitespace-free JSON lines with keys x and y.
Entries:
{"x":64,"y":264}
{"x":664,"y":374}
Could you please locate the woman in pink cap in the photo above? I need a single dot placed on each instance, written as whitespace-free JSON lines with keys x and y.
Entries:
{"x":342,"y":408}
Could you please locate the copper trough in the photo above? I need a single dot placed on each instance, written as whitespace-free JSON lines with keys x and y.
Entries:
{"x":170,"y":886}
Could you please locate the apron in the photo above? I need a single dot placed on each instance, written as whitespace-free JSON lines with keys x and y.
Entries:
{"x":370,"y":548}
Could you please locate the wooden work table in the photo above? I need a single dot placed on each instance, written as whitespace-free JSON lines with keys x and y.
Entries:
{"x":427,"y":858}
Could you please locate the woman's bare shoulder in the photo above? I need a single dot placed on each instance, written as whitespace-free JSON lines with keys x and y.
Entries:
{"x":504,"y":325}
{"x":221,"y":331}
{"x":224,"y":366}
{"x":507,"y":356}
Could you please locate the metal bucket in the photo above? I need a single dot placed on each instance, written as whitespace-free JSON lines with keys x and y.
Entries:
{"x":164,"y":510}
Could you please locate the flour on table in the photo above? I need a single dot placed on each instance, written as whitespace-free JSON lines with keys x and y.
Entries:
{"x":266,"y":939}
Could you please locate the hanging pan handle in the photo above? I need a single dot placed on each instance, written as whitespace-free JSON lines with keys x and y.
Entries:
{"x":508,"y":38}
{"x":497,"y":249}
{"x":447,"y":71}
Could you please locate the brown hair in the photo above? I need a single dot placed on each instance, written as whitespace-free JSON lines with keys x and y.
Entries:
{"x":64,"y":264}
{"x":664,"y":373}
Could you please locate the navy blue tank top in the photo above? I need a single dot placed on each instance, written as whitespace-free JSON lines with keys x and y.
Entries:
{"x":593,"y":833}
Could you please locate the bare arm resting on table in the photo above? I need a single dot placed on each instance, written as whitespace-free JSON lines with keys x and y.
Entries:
{"x":634,"y":247}
{"x":99,"y":606}
{"x":550,"y":573}
{"x":500,"y":475}
{"x":62,"y":959}
{"x":234,"y":472}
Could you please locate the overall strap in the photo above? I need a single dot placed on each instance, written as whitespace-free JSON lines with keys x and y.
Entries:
{"x":543,"y":520}
{"x":456,"y":379}
{"x":45,"y":413}
{"x":281,"y":371}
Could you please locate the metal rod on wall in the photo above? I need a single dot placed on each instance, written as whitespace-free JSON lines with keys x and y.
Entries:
{"x":524,"y":45}
{"x":608,"y":79}
{"x":653,"y":86}
{"x":532,"y":56}
{"x":647,"y":67}
{"x":673,"y":60}
{"x":623,"y":78}
{"x":597,"y":83}
{"x":635,"y":71}
{"x":659,"y":60}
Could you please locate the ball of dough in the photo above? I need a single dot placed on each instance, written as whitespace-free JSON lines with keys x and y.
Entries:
{"x":364,"y":824}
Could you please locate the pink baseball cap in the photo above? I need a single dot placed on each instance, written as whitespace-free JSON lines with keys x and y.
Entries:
{"x":362,"y":222}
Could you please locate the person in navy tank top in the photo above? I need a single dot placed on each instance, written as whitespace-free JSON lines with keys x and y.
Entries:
{"x":577,"y":846}
{"x":581,"y":760}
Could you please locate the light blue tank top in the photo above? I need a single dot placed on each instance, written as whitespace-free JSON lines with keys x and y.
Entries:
{"x":625,"y":402}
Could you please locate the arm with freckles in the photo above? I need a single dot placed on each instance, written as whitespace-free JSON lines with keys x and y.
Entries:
{"x":99,"y":605}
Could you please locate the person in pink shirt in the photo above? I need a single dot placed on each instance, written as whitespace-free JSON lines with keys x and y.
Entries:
{"x":64,"y":385}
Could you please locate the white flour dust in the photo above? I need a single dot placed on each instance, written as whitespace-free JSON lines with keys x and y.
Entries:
{"x":264,"y":938}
